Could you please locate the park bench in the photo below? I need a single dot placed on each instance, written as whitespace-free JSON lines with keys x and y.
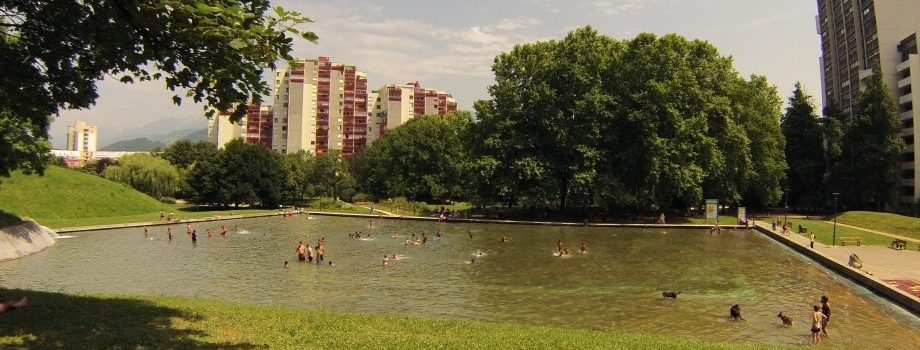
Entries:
{"x":898,"y":244}
{"x":844,"y":240}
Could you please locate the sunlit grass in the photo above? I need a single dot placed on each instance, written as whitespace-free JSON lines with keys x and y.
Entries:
{"x":58,"y":321}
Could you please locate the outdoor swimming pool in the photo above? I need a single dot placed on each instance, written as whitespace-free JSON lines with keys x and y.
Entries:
{"x":615,"y":286}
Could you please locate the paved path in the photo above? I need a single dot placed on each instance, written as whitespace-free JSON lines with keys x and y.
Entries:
{"x":881,"y":264}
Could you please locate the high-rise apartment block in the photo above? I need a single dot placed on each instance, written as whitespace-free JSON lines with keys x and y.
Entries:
{"x":392,"y":105}
{"x":254,"y":128}
{"x":320,"y":105}
{"x":81,"y":137}
{"x":855,"y":36}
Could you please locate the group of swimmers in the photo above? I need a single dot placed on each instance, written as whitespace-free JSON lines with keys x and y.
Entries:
{"x":562,"y":250}
{"x":192,"y":232}
{"x":307,"y":253}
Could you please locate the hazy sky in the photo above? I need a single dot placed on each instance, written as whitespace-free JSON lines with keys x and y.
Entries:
{"x":450,"y":46}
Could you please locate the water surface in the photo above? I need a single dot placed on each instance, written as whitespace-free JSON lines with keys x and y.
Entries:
{"x":615,"y":286}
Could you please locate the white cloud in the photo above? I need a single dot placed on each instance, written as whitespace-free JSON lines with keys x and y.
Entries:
{"x":618,"y":7}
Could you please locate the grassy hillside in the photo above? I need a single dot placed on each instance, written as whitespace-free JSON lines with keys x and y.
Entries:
{"x":885,"y":222}
{"x":68,"y":194}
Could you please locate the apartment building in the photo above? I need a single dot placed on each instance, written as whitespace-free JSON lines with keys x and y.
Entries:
{"x":82,"y":137}
{"x":320,"y":105}
{"x":394,"y":104}
{"x":856,"y":35}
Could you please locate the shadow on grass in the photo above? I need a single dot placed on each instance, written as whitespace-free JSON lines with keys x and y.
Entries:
{"x":7,"y":219}
{"x":63,"y":321}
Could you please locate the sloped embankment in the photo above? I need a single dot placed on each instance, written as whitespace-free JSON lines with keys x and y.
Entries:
{"x":23,"y":239}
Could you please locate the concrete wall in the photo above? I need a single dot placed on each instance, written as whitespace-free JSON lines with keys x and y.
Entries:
{"x":872,"y":283}
{"x":24,"y":239}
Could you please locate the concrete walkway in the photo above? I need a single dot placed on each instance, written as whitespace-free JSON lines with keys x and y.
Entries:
{"x":883,"y":270}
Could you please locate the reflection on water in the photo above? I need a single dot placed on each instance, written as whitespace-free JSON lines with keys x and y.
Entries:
{"x":469,"y":273}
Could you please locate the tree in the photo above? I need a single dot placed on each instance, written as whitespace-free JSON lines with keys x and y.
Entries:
{"x":208,"y":183}
{"x":804,"y":149}
{"x":874,"y":140}
{"x":541,"y":131}
{"x":646,"y":123}
{"x":299,"y":165}
{"x":145,"y":173}
{"x":836,"y":170}
{"x":423,"y":159}
{"x":253,"y":173}
{"x":326,"y":173}
{"x":184,"y":153}
{"x":759,"y":108}
{"x":53,"y":53}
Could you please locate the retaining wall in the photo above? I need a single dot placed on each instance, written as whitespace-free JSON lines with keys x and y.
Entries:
{"x":24,"y":239}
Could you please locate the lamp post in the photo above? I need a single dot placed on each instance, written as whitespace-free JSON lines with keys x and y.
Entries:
{"x":786,"y":215}
{"x":834,"y":237}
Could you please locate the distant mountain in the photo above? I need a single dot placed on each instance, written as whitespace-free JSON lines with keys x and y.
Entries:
{"x":173,"y":128}
{"x":140,"y":144}
{"x":147,"y":144}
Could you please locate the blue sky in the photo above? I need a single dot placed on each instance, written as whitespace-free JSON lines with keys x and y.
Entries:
{"x":451,"y":45}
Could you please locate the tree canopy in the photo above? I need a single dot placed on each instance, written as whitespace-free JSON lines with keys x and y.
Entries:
{"x":53,"y":52}
{"x":804,"y":150}
{"x":649,"y":122}
{"x":873,"y":144}
{"x":424,"y":159}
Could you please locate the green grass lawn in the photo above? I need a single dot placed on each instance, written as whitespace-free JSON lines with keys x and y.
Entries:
{"x":65,"y":321}
{"x":68,"y":198}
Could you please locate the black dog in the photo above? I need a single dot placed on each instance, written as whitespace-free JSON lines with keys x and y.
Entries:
{"x":736,"y":312}
{"x":672,"y":295}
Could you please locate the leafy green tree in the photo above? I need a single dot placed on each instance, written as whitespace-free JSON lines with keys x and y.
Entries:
{"x":759,"y":108}
{"x":835,"y":168}
{"x":804,"y":150}
{"x":184,"y":153}
{"x":53,"y":53}
{"x":874,"y":143}
{"x":423,"y":159}
{"x":646,"y":123}
{"x":22,"y":143}
{"x":298,"y":165}
{"x":254,"y":174}
{"x":541,"y":131}
{"x":208,"y":183}
{"x":145,"y":173}
{"x":326,"y":173}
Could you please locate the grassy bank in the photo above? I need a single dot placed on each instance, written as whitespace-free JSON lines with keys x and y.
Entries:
{"x":68,"y":198}
{"x":823,"y":227}
{"x":63,"y":321}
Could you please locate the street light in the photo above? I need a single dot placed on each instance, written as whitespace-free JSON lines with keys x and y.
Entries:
{"x":786,"y":215}
{"x":834,"y":238}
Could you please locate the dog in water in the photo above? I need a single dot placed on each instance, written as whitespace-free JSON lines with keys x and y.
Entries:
{"x":672,"y":295}
{"x":735,"y":311}
{"x":787,"y":320}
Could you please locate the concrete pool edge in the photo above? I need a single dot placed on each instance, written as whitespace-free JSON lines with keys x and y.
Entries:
{"x":800,"y":244}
